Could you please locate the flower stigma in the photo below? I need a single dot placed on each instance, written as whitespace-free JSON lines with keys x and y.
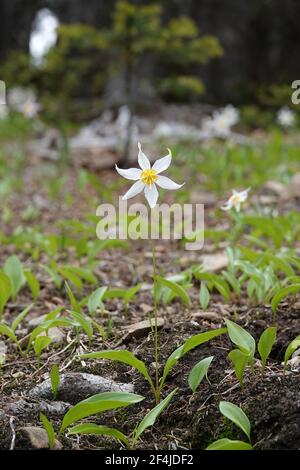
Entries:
{"x":149,"y":177}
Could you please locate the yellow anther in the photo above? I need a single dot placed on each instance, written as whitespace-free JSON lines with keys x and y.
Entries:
{"x":149,"y":177}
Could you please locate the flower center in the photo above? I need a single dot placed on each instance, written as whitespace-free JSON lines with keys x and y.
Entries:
{"x":235,"y":199}
{"x":149,"y":177}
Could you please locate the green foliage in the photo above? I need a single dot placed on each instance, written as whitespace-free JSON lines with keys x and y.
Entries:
{"x":292,"y":347}
{"x":246,"y":344}
{"x":130,"y":442}
{"x":152,"y":416}
{"x":95,"y":301}
{"x":239,"y":418}
{"x":41,"y":343}
{"x":241,"y":338}
{"x":177,"y":289}
{"x":55,"y":380}
{"x":282,"y":293}
{"x":239,"y":360}
{"x":228,"y":444}
{"x":198,"y":372}
{"x":99,"y":430}
{"x":97,"y":404}
{"x":49,"y":430}
{"x":124,"y":356}
{"x":236,"y":415}
{"x":204,"y":296}
{"x":33,"y":284}
{"x":5,"y":291}
{"x":265,"y":344}
{"x":14,"y":270}
{"x":182,"y":88}
{"x":128,"y":357}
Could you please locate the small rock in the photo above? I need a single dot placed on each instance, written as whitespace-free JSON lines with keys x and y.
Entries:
{"x":215,"y":262}
{"x":295,"y":185}
{"x":140,"y":329}
{"x":3,"y":350}
{"x":206,"y":315}
{"x":25,"y":408}
{"x":33,"y":437}
{"x":34,"y":322}
{"x":56,"y":334}
{"x":146,"y":308}
{"x":277,"y":188}
{"x":77,"y":386}
{"x":18,"y":375}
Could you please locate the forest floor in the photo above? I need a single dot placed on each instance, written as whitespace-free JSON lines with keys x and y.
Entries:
{"x":44,"y":200}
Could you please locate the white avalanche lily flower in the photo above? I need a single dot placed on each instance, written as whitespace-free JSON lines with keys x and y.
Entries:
{"x":148,"y":177}
{"x":30,"y":108}
{"x":236,"y":200}
{"x":286,"y":117}
{"x":221,"y":122}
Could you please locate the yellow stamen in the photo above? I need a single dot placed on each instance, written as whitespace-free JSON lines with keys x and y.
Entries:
{"x":235,"y":199}
{"x":149,"y":177}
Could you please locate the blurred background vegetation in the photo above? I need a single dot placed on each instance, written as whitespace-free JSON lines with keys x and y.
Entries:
{"x":176,"y":50}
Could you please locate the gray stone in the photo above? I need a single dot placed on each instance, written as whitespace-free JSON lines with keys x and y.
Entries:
{"x":77,"y":386}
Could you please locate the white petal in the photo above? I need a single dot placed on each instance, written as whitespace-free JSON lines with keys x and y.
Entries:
{"x":143,"y":160}
{"x":227,"y":207}
{"x":151,"y":195}
{"x":167,"y":183}
{"x":130,"y":174}
{"x":244,"y":195}
{"x":135,"y":189}
{"x":163,"y":163}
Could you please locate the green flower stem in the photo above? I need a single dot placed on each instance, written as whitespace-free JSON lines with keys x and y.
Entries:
{"x":157,"y":389}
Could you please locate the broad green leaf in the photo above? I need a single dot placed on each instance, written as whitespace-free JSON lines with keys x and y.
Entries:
{"x":91,"y":428}
{"x":222,"y":287}
{"x":239,"y":360}
{"x":178,"y":290}
{"x":55,"y":379}
{"x":204,"y":296}
{"x":53,"y":314}
{"x":86,"y":275}
{"x":20,"y":317}
{"x":7,"y":331}
{"x":56,"y":278}
{"x":14,"y":270}
{"x":123,"y":356}
{"x":130,"y":293}
{"x":241,"y":337}
{"x":5,"y":291}
{"x":266,"y":342}
{"x":95,"y":300}
{"x":97,"y":404}
{"x":114,"y":294}
{"x":295,"y":344}
{"x":84,"y":322}
{"x":198,"y":372}
{"x":75,"y":305}
{"x":49,"y":430}
{"x":152,"y":416}
{"x":282,"y":294}
{"x":236,"y":415}
{"x":59,"y":322}
{"x":170,"y":363}
{"x":33,"y":283}
{"x":71,"y":276}
{"x":228,"y":444}
{"x":201,"y":338}
{"x":41,"y":343}
{"x":190,"y":343}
